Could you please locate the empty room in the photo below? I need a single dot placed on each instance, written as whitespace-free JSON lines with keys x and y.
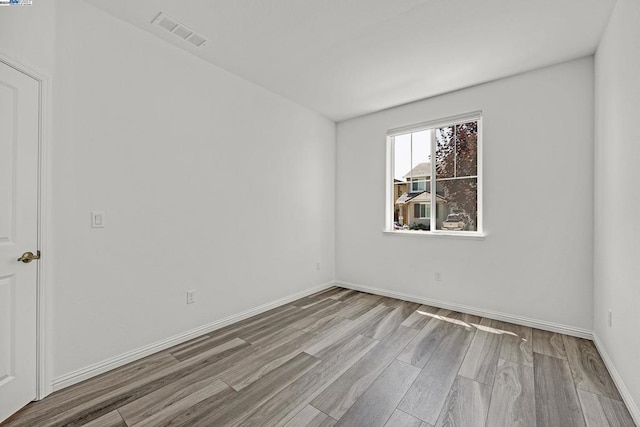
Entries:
{"x":319,"y":213}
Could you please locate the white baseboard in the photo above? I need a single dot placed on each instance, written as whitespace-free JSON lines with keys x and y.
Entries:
{"x":131,"y":356}
{"x":617,"y":379}
{"x":519,"y":320}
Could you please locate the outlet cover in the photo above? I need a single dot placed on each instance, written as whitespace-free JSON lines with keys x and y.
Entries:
{"x":191,"y":297}
{"x":97,"y":219}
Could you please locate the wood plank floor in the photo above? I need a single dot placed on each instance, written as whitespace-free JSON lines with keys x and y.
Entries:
{"x":346,"y":358}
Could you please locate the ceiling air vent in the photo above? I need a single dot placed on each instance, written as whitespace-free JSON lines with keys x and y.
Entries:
{"x":178,"y":29}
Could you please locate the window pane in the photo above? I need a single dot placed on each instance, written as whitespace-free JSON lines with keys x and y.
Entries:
{"x":420,"y":155}
{"x":467,"y":149}
{"x":457,"y":150}
{"x":459,"y":199}
{"x":401,"y":156}
{"x":445,"y":152}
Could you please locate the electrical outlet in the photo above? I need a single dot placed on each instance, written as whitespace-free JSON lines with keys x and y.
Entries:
{"x":610,"y":315}
{"x":317,"y":265}
{"x":97,"y":219}
{"x":438,"y":276}
{"x":191,"y":297}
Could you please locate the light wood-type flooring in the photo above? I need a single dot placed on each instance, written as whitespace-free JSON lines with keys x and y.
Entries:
{"x":347,"y":358}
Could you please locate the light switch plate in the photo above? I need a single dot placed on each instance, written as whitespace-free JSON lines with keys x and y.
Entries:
{"x":97,"y":219}
{"x":191,"y":297}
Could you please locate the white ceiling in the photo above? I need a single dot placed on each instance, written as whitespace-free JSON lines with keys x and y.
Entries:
{"x":345,"y":58}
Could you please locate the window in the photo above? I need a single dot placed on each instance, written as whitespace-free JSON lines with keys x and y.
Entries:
{"x":418,"y":186}
{"x":440,"y":162}
{"x":421,"y":210}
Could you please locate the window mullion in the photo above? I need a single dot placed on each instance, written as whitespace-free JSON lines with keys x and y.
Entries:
{"x":455,"y":151}
{"x":411,"y":160}
{"x":432,"y":183}
{"x":391,"y":165}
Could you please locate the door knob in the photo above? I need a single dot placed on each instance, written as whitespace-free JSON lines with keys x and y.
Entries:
{"x":27,"y":257}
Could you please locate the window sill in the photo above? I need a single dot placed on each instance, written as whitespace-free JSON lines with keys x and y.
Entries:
{"x":469,"y":235}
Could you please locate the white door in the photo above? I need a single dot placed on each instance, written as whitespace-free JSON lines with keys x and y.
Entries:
{"x":19,"y":141}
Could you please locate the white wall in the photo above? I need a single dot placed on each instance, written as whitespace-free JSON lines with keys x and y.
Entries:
{"x":208,"y":183}
{"x":617,"y":204}
{"x":27,"y":35}
{"x":538,"y":202}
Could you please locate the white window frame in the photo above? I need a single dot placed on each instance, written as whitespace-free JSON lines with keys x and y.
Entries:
{"x":390,"y":201}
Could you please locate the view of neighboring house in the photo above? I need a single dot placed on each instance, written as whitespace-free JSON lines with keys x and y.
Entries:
{"x":399,"y":207}
{"x":413,"y":202}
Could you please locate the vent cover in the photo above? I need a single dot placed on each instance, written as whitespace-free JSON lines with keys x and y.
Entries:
{"x":176,"y":28}
{"x":197,"y":40}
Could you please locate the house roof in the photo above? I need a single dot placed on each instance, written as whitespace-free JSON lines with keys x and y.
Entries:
{"x":422,"y":197}
{"x":405,"y":198}
{"x":425,"y":197}
{"x":422,"y":169}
